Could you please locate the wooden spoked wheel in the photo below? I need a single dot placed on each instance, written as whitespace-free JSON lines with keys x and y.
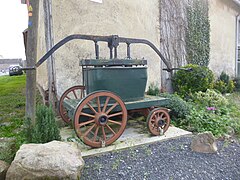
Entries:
{"x":100,"y":119}
{"x":75,"y":92}
{"x":158,"y":121}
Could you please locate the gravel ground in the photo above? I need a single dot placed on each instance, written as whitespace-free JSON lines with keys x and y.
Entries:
{"x":172,"y":159}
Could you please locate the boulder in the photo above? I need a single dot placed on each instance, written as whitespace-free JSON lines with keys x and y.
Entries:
{"x":3,"y":169}
{"x":204,"y":143}
{"x":53,"y":160}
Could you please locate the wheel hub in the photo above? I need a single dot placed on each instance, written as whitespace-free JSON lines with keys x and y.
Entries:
{"x":102,"y":120}
{"x":161,"y":123}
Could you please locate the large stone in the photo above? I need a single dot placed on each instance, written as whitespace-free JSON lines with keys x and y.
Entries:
{"x":3,"y":169}
{"x":53,"y":160}
{"x":204,"y":143}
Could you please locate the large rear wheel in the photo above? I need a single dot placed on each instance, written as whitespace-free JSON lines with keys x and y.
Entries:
{"x":75,"y":92}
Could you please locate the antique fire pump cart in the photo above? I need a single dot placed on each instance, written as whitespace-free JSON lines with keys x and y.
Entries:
{"x":111,"y":89}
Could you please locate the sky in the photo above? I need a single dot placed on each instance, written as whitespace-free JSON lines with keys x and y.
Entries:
{"x":13,"y":21}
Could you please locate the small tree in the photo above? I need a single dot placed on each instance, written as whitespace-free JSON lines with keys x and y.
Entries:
{"x":45,"y":129}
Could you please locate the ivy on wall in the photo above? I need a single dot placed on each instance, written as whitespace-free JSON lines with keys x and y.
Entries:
{"x":198,"y":33}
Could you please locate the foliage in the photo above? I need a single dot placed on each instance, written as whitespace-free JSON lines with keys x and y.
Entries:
{"x":198,"y":34}
{"x":186,"y":83}
{"x":223,"y":88}
{"x":224,"y":84}
{"x":153,"y":90}
{"x":224,"y":77}
{"x":211,"y":111}
{"x":200,"y":120}
{"x":210,"y":98}
{"x":179,"y":108}
{"x":45,"y":129}
{"x":237,"y":84}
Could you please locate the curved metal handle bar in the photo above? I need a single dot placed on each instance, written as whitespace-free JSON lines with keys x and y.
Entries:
{"x":112,"y":40}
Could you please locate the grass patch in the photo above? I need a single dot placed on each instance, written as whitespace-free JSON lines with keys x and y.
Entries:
{"x":12,"y":104}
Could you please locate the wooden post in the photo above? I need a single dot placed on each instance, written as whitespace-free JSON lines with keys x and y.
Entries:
{"x":33,"y":13}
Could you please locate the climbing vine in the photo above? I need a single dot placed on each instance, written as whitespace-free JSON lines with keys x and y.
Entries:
{"x":198,"y":33}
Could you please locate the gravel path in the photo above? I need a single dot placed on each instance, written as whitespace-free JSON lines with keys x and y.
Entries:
{"x":172,"y":159}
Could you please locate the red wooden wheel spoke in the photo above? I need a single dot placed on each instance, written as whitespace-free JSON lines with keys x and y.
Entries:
{"x":162,"y":115}
{"x":88,"y":115}
{"x":116,"y":114}
{"x":110,"y":129}
{"x":90,"y":106}
{"x":95,"y":134}
{"x":68,"y":97}
{"x":98,"y":104}
{"x":114,"y":122}
{"x":64,"y":113}
{"x":89,"y":130}
{"x":104,"y":134}
{"x":105,"y":105}
{"x":113,"y":106}
{"x":86,"y":123}
{"x":74,"y":93}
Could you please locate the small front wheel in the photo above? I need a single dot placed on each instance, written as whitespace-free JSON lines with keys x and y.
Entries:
{"x":158,"y":121}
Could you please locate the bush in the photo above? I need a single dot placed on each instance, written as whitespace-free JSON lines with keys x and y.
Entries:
{"x":224,"y":84}
{"x":186,"y":83}
{"x":179,"y":107}
{"x":211,"y":111}
{"x":210,"y":98}
{"x":45,"y":129}
{"x":224,"y":77}
{"x":237,"y":84}
{"x":201,"y":120}
{"x":153,"y":90}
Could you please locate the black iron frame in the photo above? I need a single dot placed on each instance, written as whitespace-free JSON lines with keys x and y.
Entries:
{"x":113,"y":43}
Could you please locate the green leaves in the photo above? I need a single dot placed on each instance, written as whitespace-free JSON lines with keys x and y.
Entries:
{"x":46,"y":129}
{"x":198,"y":34}
{"x":199,"y":79}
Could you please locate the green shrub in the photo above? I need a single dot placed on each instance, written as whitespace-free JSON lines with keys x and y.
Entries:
{"x":186,"y":83}
{"x":224,"y":84}
{"x":237,"y":83}
{"x":230,"y":86}
{"x":179,"y":107}
{"x":153,"y":90}
{"x":224,"y":77}
{"x":201,"y":120}
{"x":210,"y":98}
{"x":45,"y":129}
{"x":220,"y":86}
